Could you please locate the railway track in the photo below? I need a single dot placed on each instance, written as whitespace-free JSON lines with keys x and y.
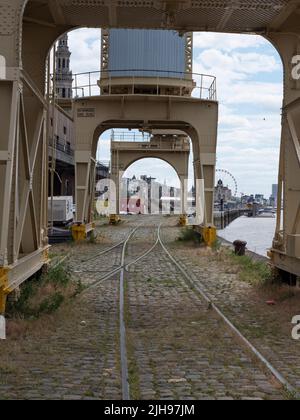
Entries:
{"x":123,"y":264}
{"x":241,"y":340}
{"x":238,"y":334}
{"x":122,"y":271}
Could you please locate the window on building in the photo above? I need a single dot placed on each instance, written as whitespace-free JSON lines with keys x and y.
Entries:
{"x":64,"y":93}
{"x":65,"y":130}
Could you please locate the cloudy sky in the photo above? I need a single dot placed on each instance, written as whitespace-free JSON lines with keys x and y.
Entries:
{"x":249,"y":78}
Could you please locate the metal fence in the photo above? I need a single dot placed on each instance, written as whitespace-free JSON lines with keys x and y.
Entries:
{"x":203,"y":86}
{"x":62,"y":147}
{"x":132,"y":136}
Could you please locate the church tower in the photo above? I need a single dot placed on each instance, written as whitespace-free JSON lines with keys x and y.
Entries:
{"x":64,"y":76}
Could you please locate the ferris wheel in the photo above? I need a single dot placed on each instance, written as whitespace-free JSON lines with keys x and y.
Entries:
{"x":228,"y":180}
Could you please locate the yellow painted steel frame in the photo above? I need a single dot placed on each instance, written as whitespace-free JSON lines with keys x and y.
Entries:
{"x":12,"y":276}
{"x":4,"y":288}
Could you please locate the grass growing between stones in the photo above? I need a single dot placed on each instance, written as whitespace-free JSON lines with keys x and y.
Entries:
{"x":188,"y":234}
{"x":256,"y":273}
{"x":133,"y":369}
{"x":44,"y":294}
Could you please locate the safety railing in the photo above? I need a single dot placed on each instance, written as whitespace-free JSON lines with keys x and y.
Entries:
{"x":65,"y":148}
{"x":130,"y":137}
{"x":201,"y":86}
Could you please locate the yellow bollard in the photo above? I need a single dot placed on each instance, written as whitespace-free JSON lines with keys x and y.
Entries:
{"x":114,"y":219}
{"x":4,"y":290}
{"x":79,"y":233}
{"x":209,"y":234}
{"x":183,"y":220}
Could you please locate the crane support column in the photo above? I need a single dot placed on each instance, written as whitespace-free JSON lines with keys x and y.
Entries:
{"x":286,"y":245}
{"x":85,"y":194}
{"x":23,"y":161}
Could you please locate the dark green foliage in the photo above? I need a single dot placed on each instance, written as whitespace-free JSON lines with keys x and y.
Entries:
{"x":44,"y":293}
{"x":188,"y":234}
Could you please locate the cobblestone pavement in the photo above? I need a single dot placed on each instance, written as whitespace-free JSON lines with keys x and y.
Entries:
{"x":267,"y":327}
{"x":177,"y":347}
{"x":67,"y":360}
{"x":75,"y":353}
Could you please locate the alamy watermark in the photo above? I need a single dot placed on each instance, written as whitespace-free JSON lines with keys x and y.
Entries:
{"x":296,"y":67}
{"x":2,"y":68}
{"x":146,"y":196}
{"x":296,"y":329}
{"x":2,"y":328}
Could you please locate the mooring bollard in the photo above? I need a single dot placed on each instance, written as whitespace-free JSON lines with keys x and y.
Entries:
{"x":240,"y":248}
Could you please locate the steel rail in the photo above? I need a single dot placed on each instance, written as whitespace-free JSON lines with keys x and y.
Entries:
{"x":99,"y":254}
{"x":71,"y":253}
{"x":116,"y":270}
{"x":123,"y":345}
{"x":124,"y":267}
{"x":261,"y":359}
{"x":282,"y":381}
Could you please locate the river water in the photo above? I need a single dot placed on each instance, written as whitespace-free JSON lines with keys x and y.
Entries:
{"x":257,"y":232}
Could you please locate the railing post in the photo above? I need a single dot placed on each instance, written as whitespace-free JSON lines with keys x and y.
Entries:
{"x":201,"y":86}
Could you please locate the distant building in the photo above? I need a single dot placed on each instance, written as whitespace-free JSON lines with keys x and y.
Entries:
{"x":61,"y":135}
{"x":61,"y":148}
{"x":260,"y":199}
{"x":274,"y":196}
{"x":149,"y":194}
{"x":63,"y":75}
{"x":272,"y":201}
{"x":245,"y":199}
{"x":222,"y":193}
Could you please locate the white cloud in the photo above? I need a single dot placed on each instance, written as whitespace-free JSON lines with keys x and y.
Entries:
{"x":250,"y":106}
{"x":238,"y":64}
{"x":225,"y":42}
{"x":85,"y":47}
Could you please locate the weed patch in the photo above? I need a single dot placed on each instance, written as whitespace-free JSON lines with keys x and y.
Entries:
{"x":188,"y":234}
{"x":256,"y":273}
{"x":44,"y":294}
